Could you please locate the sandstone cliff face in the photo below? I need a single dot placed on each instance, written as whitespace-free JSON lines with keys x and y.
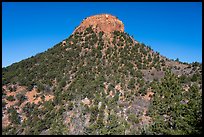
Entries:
{"x":103,"y":22}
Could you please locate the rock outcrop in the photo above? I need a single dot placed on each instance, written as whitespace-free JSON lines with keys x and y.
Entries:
{"x":102,"y":22}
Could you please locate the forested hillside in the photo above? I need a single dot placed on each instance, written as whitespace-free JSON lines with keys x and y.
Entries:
{"x":94,"y":83}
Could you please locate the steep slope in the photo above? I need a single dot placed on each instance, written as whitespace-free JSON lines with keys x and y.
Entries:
{"x":97,"y":81}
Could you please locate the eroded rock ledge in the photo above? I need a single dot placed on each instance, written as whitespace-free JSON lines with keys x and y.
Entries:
{"x":102,"y":22}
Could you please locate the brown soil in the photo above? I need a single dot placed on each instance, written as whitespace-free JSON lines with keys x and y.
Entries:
{"x":148,"y":96}
{"x":31,"y":97}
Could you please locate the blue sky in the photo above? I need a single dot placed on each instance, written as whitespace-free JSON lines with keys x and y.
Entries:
{"x":172,"y":29}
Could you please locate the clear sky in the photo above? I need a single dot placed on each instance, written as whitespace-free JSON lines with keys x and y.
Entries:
{"x":172,"y":29}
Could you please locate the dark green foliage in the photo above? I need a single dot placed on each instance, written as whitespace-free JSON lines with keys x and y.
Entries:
{"x":195,"y":77}
{"x":143,"y":91}
{"x":94,"y":111}
{"x":14,"y":116}
{"x":141,"y":82}
{"x":196,"y":64}
{"x":111,"y":87}
{"x":10,"y":98}
{"x":139,"y":74}
{"x":40,"y":86}
{"x":62,"y":83}
{"x":10,"y":89}
{"x":28,"y":108}
{"x":133,"y":118}
{"x":114,"y":128}
{"x":131,"y":84}
{"x":21,"y":98}
{"x":70,"y":106}
{"x":184,"y":79}
{"x":170,"y":115}
{"x":57,"y":127}
{"x":177,"y":59}
{"x":30,"y":87}
{"x":158,"y":67}
{"x":3,"y":104}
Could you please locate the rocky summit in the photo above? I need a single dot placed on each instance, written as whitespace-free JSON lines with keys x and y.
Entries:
{"x":103,"y":22}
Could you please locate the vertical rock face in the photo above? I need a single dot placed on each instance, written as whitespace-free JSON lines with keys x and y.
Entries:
{"x":103,"y":22}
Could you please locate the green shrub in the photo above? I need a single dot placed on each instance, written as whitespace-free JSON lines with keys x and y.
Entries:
{"x":10,"y":98}
{"x":133,"y":118}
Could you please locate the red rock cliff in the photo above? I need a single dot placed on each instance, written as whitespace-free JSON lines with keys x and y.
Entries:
{"x":103,"y":22}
